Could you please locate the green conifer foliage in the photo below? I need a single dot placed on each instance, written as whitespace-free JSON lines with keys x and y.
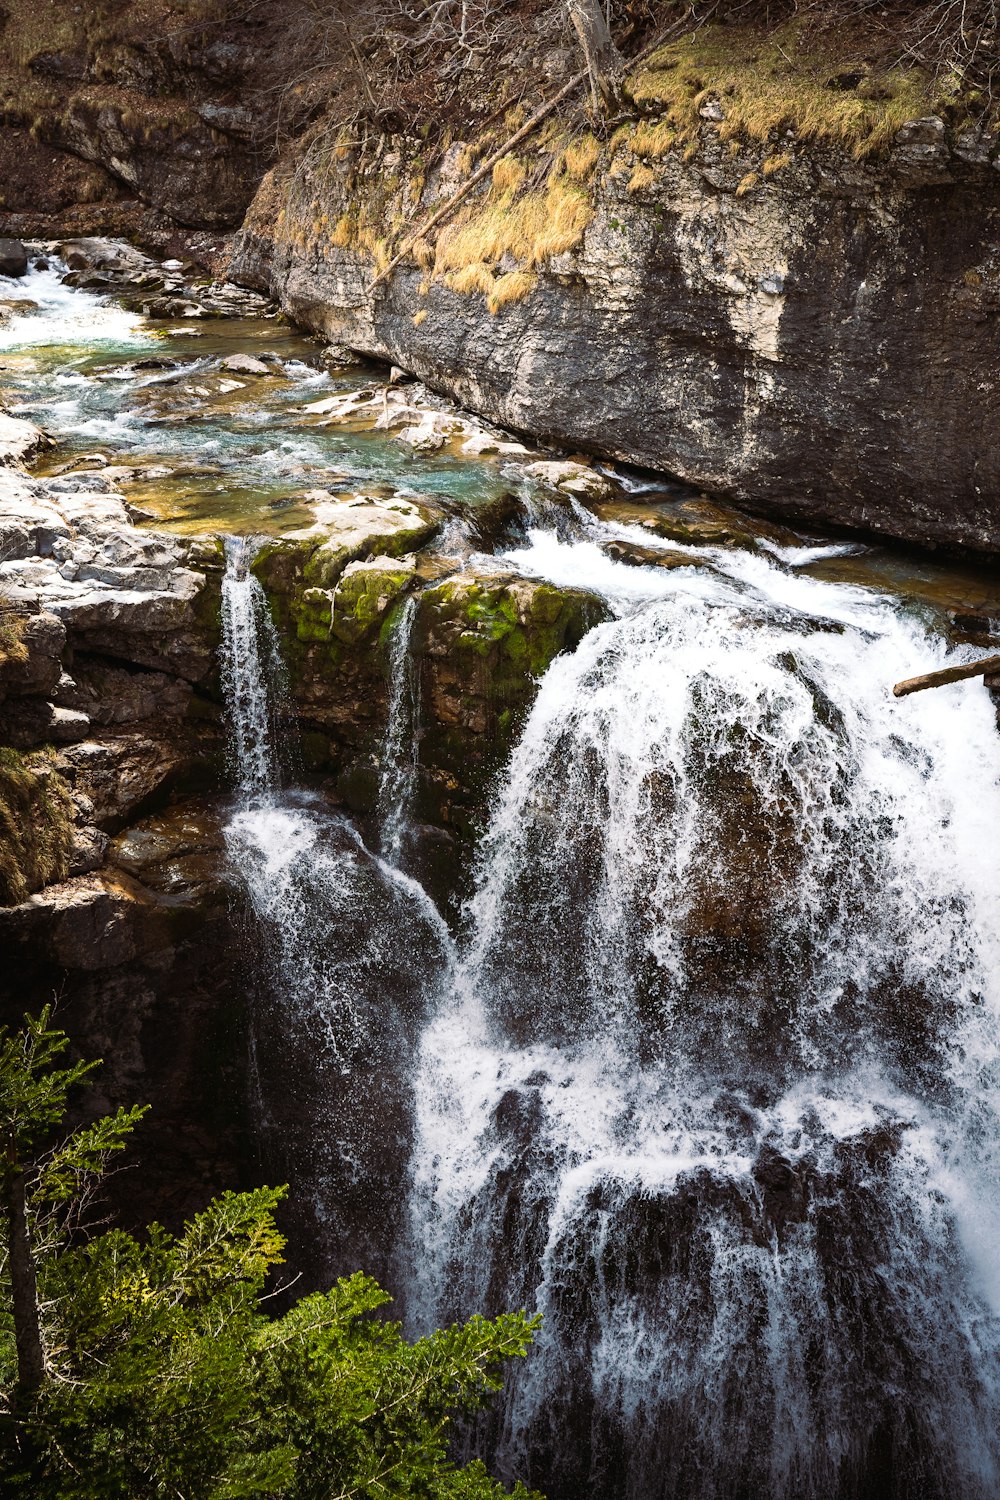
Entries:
{"x":150,"y":1367}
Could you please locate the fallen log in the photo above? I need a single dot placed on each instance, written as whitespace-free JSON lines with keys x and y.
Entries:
{"x":478,"y":175}
{"x":986,"y":666}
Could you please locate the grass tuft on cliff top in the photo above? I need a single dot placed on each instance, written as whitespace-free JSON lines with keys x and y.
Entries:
{"x":498,"y":242}
{"x":818,"y":86}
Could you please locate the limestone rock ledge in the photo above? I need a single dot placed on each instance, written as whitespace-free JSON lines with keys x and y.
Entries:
{"x":108,"y":639}
{"x":818,"y":345}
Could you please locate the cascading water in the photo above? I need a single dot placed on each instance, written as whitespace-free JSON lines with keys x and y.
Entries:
{"x":399,"y":754}
{"x":348,"y":948}
{"x":715,"y":1085}
{"x":252,"y":673}
{"x":714,"y":1082}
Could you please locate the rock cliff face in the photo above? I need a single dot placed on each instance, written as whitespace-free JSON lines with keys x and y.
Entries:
{"x":819,"y":344}
{"x":121,"y":916}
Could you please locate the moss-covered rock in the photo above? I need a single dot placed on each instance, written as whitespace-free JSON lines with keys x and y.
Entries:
{"x":358,"y":604}
{"x":483,"y":643}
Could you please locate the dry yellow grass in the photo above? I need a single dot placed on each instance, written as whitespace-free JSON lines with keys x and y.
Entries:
{"x":419,"y":317}
{"x":652,"y":140}
{"x":641,"y":179}
{"x":508,"y":175}
{"x":475,"y":278}
{"x":581,"y":157}
{"x":343,"y":232}
{"x":423,"y":252}
{"x":769,"y":83}
{"x":531,"y":228}
{"x":746,"y":183}
{"x":773,"y":164}
{"x":513,"y":287}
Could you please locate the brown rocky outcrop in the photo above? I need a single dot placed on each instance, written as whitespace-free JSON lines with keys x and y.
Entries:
{"x":142,"y":961}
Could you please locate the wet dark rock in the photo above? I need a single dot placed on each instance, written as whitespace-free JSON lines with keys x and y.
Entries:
{"x":13,"y":258}
{"x":144,"y":956}
{"x":648,"y":557}
{"x":496,"y":522}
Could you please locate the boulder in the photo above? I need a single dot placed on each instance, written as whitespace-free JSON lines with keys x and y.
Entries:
{"x":245,"y":364}
{"x":13,"y":258}
{"x":572,"y":477}
{"x":121,"y":774}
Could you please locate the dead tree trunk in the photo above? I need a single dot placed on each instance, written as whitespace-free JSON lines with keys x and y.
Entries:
{"x":986,"y":666}
{"x":24,"y":1291}
{"x":604,"y":62}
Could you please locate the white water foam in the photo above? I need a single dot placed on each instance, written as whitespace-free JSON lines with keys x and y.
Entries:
{"x":399,"y":754}
{"x":731,"y":998}
{"x":67,"y":315}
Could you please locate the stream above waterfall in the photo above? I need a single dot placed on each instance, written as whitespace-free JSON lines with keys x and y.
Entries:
{"x":704,"y":1061}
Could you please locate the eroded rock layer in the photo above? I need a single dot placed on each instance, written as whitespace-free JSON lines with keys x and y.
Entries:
{"x":819,"y":344}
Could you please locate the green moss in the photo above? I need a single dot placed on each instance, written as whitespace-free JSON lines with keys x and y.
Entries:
{"x":363,"y":600}
{"x":36,"y":824}
{"x":517,"y":630}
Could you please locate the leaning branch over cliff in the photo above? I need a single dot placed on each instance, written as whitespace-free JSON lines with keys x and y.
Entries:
{"x":986,"y":666}
{"x":478,"y":175}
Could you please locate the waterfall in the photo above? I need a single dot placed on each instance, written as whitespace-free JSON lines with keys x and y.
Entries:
{"x":714,"y":1080}
{"x":715,"y":1085}
{"x":345,"y":949}
{"x":399,"y":753}
{"x":252,"y":672}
